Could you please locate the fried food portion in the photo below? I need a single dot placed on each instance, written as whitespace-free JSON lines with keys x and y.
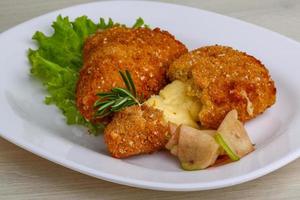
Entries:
{"x":136,"y":130}
{"x":225,"y":79}
{"x":146,"y":53}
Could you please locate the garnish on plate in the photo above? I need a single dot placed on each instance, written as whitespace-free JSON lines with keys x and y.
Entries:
{"x":118,"y":98}
{"x":198,"y":117}
{"x":58,"y":59}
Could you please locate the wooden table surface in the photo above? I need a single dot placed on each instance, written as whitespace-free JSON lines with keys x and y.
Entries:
{"x":26,"y":176}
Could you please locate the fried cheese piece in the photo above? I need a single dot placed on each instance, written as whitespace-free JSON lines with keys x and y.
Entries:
{"x":136,"y":130}
{"x":145,"y":53}
{"x":225,"y":79}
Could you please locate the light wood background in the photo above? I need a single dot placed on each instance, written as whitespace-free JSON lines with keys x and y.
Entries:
{"x":26,"y":176}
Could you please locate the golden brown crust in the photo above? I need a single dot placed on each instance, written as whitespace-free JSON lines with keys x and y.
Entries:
{"x":146,"y":53}
{"x":136,"y":130}
{"x":225,"y":79}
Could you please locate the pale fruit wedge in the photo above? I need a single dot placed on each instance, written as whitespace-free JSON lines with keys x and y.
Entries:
{"x":196,"y":148}
{"x":226,"y":149}
{"x":185,"y":128}
{"x":174,"y":150}
{"x":172,"y":128}
{"x":233,"y":138}
{"x":174,"y":132}
{"x":209,"y":132}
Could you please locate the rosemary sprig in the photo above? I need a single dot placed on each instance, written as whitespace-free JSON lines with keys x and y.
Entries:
{"x":118,"y":98}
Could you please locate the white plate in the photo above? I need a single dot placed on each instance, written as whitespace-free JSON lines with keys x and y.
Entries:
{"x":27,"y":122}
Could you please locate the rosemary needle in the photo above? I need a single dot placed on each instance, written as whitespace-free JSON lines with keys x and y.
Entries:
{"x":118,"y":98}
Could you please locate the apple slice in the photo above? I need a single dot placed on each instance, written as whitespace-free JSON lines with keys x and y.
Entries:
{"x":174,"y":150}
{"x":172,"y":128}
{"x":233,"y":138}
{"x":185,"y":128}
{"x":197,"y":149}
{"x":209,"y":132}
{"x":226,"y":148}
{"x":174,"y":134}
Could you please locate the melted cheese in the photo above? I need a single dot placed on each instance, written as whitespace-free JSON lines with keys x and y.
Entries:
{"x":250,"y":107}
{"x":177,"y":107}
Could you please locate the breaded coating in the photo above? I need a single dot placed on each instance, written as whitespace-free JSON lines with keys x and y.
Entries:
{"x":146,"y":53}
{"x":225,"y":79}
{"x":136,"y":130}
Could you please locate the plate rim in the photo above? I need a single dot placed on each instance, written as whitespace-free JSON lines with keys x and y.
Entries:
{"x":182,"y":187}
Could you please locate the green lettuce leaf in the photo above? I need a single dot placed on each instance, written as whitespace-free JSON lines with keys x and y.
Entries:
{"x":58,"y":59}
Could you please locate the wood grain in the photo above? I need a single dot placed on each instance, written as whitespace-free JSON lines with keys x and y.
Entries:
{"x":26,"y":176}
